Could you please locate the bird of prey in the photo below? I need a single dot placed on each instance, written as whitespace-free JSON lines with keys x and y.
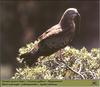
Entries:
{"x":55,"y":38}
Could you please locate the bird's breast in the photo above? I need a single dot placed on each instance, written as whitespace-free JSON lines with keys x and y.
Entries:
{"x":59,"y":41}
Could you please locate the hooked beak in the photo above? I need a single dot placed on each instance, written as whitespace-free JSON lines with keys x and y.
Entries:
{"x":78,"y":14}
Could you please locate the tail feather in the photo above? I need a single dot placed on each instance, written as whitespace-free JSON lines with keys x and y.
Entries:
{"x":30,"y":58}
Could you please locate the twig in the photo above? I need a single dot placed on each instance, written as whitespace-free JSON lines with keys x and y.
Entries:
{"x":80,"y":69}
{"x":73,"y":70}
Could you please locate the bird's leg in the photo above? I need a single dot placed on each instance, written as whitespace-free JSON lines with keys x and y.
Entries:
{"x":61,"y":56}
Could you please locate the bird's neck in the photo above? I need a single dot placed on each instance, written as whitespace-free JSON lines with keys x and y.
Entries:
{"x":66,"y":22}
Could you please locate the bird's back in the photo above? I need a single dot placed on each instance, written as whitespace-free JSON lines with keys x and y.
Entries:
{"x":51,"y":32}
{"x":56,"y":37}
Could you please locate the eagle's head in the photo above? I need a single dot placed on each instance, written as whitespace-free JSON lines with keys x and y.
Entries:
{"x":69,"y":16}
{"x":71,"y":13}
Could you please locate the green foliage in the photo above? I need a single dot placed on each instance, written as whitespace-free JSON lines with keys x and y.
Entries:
{"x":68,"y":63}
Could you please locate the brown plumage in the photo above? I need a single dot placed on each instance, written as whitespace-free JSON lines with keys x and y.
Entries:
{"x":55,"y":38}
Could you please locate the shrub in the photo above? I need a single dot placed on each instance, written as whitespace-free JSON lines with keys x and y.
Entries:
{"x":68,"y":63}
